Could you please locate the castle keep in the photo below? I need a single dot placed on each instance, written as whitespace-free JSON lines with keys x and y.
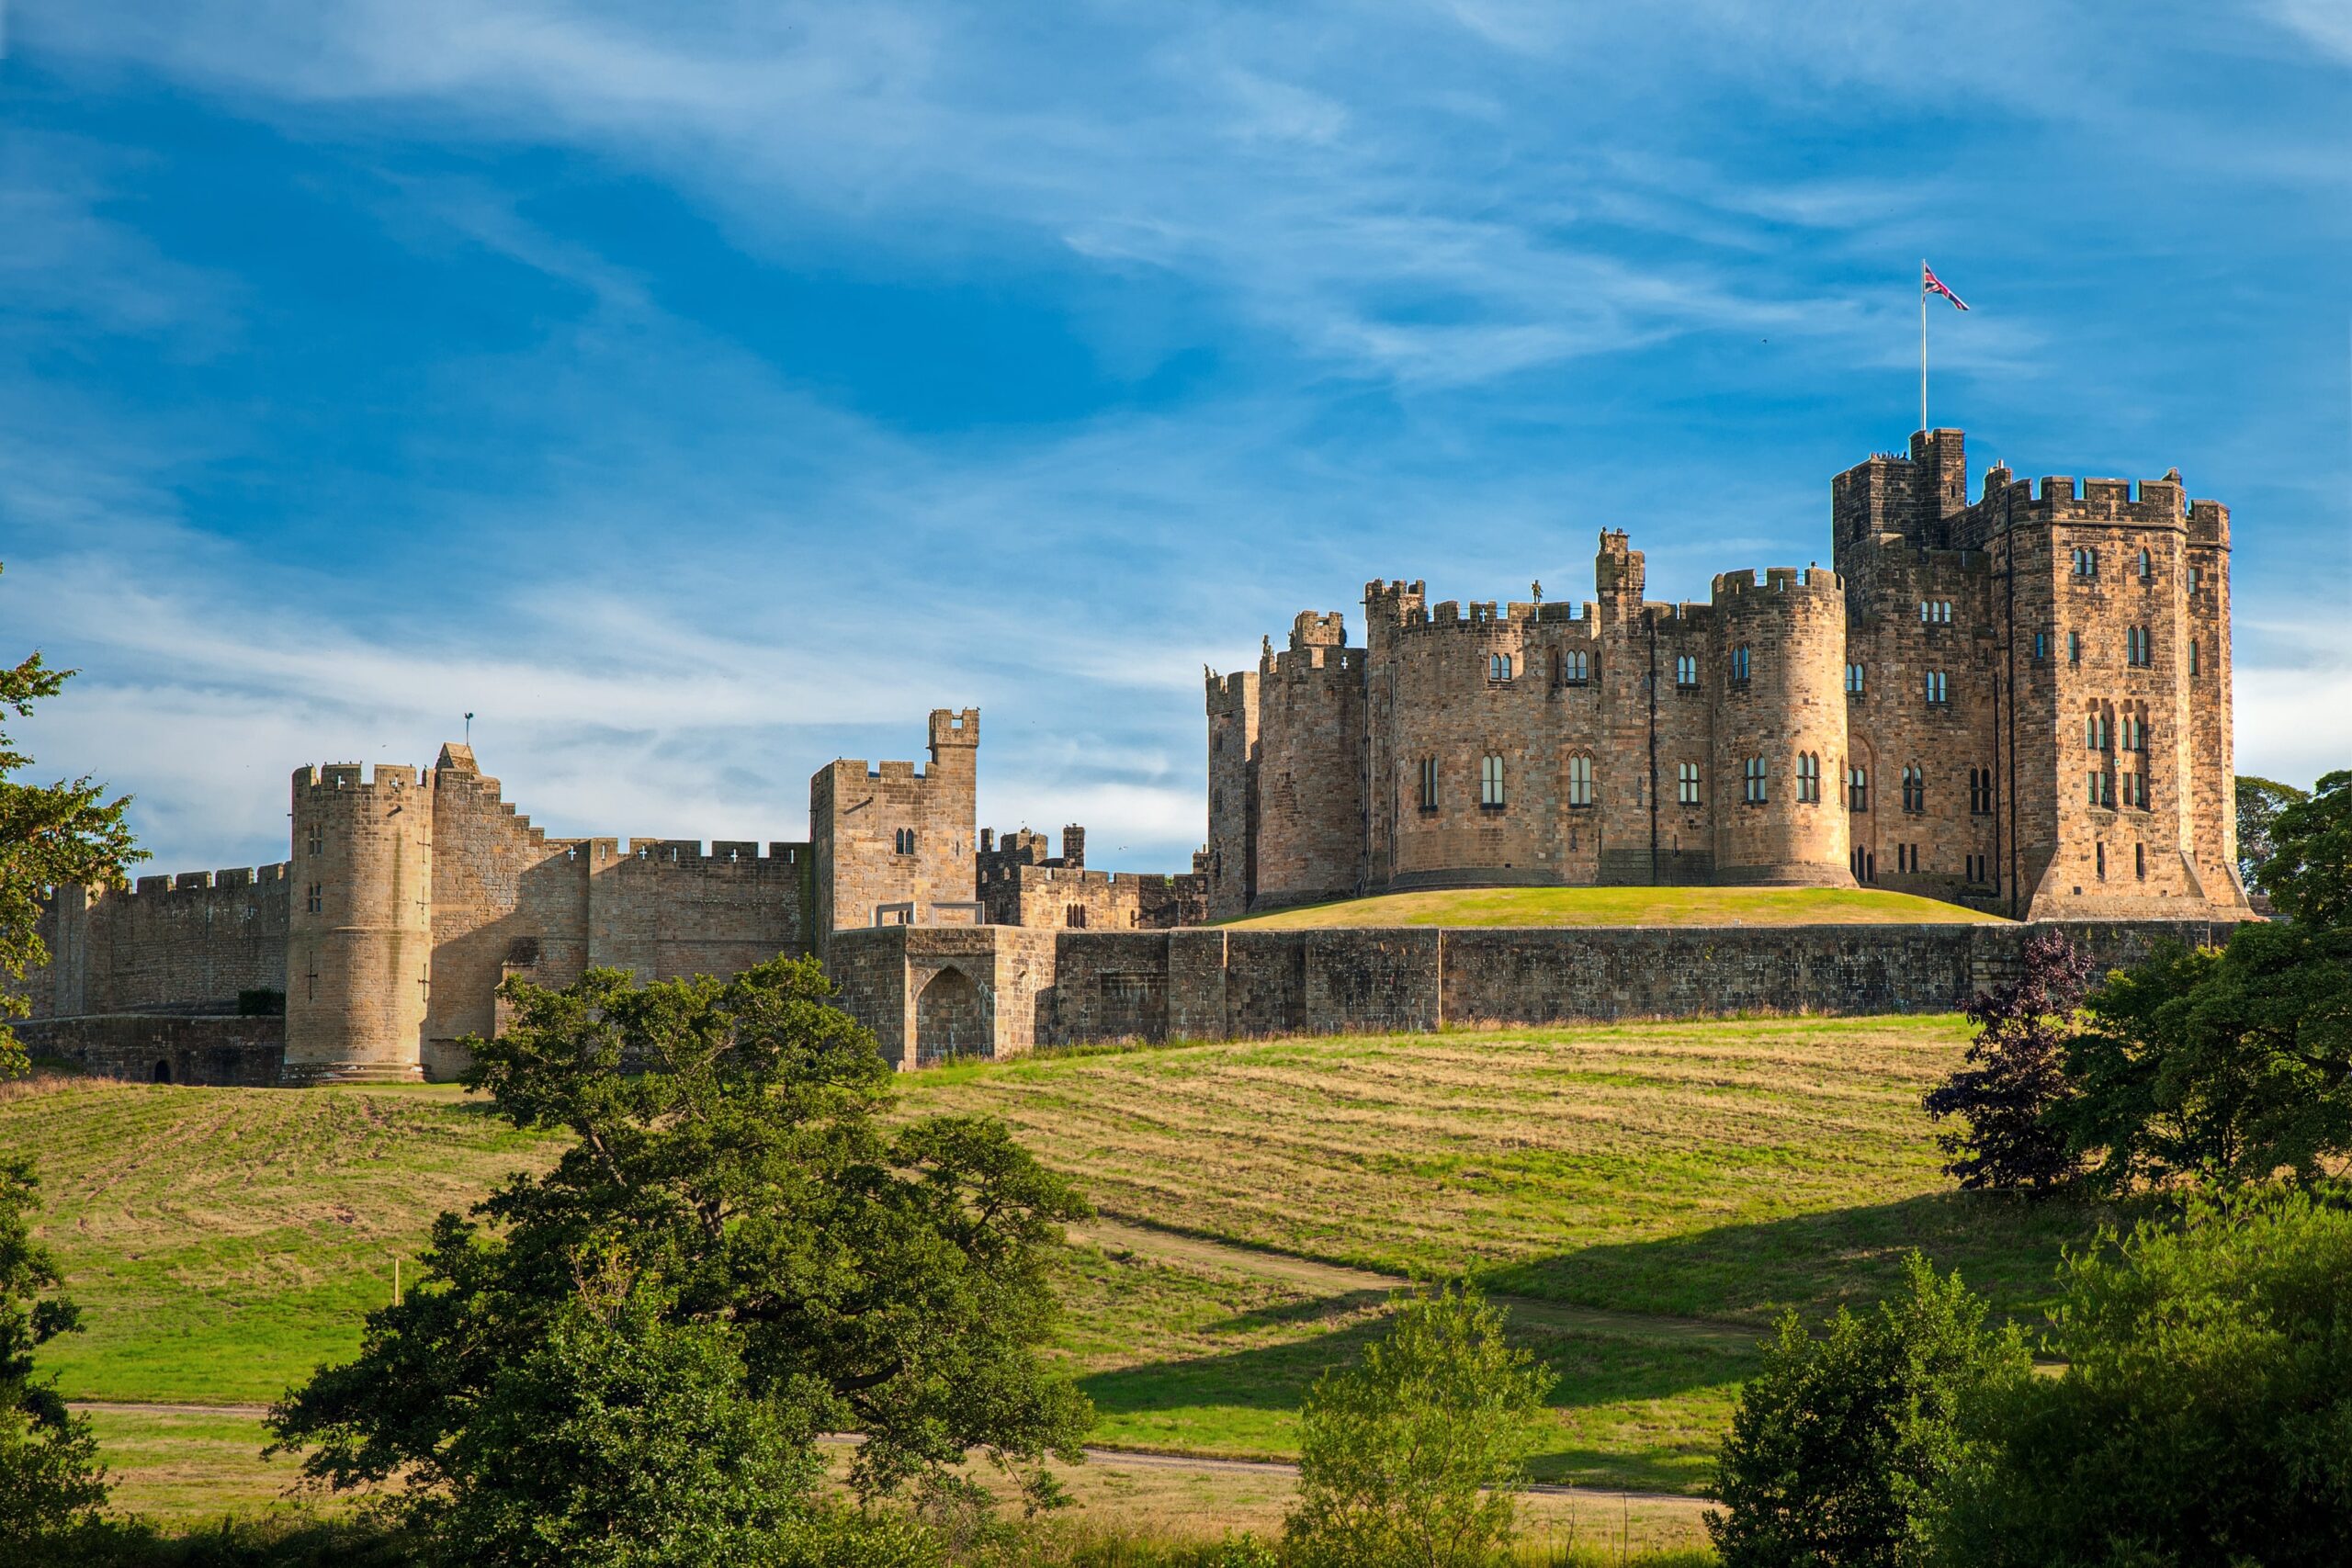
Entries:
{"x":2021,"y":703}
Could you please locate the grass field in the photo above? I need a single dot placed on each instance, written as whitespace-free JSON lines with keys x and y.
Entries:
{"x":1652,"y":1194}
{"x":1619,"y":907}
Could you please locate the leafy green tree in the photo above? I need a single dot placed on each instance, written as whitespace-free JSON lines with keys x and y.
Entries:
{"x":1836,"y":1446}
{"x":2309,"y":873}
{"x":50,"y":1482}
{"x":2015,"y":1075}
{"x":2259,"y":802}
{"x":50,"y":836}
{"x":2205,"y":1415}
{"x":787,"y":1261}
{"x":1414,"y":1456}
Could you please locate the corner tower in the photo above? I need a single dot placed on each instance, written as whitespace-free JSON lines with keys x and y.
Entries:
{"x":1781,"y":729}
{"x":360,"y":934}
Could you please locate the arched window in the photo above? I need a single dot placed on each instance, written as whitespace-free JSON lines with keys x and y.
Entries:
{"x":1579,"y":781}
{"x":1074,"y":916}
{"x":1686,"y":784}
{"x":1686,"y":670}
{"x":1576,"y":667}
{"x":1490,"y":783}
{"x":1809,"y":777}
{"x":1498,"y":667}
{"x":903,"y":841}
{"x":1739,"y":665}
{"x":1855,"y":679}
{"x":1858,"y":788}
{"x":2147,"y":566}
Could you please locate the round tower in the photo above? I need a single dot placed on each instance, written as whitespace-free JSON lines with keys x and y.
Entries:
{"x":360,"y":942}
{"x":1779,"y":807}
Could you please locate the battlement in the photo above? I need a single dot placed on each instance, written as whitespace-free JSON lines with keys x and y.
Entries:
{"x":950,"y":728}
{"x":1782,"y":585}
{"x":1298,"y":660}
{"x":205,"y":881}
{"x":354,"y":776}
{"x":1319,"y":628}
{"x":689,"y":852}
{"x":1230,"y":694}
{"x":1393,"y":604}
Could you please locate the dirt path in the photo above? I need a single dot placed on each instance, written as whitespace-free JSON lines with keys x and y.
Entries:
{"x":1144,"y":1241}
{"x":1142,"y":1459}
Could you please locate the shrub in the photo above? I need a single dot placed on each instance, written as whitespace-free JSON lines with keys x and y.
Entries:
{"x":2016,"y":1075}
{"x":2205,"y":1415}
{"x":1836,"y":1445}
{"x":50,"y":1482}
{"x":1413,"y":1456}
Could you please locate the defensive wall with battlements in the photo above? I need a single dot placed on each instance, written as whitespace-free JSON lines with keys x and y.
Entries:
{"x":2021,"y":703}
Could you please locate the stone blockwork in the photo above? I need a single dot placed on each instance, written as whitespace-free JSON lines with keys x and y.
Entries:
{"x":248,"y":1052}
{"x":1022,"y":885}
{"x":1076,"y":987}
{"x":2021,"y":703}
{"x":410,"y":895}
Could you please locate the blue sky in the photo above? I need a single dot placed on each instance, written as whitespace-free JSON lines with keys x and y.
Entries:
{"x":700,"y":393}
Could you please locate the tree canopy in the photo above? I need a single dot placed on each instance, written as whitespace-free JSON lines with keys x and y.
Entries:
{"x":50,"y":836}
{"x":2259,"y":802}
{"x":50,"y":1482}
{"x":737,"y":1252}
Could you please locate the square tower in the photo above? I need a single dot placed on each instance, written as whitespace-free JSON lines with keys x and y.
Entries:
{"x":888,"y":835}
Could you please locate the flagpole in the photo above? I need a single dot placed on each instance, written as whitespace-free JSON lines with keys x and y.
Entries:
{"x":1923,"y":344}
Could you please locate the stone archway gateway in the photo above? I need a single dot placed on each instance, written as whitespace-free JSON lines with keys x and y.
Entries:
{"x":951,"y":1019}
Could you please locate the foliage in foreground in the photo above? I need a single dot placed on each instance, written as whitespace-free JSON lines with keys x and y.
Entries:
{"x":50,"y":1483}
{"x":1413,"y":1456}
{"x":50,"y":836}
{"x":2205,"y":1415}
{"x":2016,"y":1075}
{"x":629,"y":1358}
{"x":1839,"y":1444}
{"x":2259,"y":802}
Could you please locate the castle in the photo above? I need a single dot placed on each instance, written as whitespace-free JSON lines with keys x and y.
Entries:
{"x":410,"y":894}
{"x":2021,"y":703}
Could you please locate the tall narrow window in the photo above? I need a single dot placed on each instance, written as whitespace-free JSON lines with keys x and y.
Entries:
{"x":1854,"y":680}
{"x":1757,"y":790}
{"x":2192,"y":659}
{"x":1686,"y":784}
{"x":903,"y":841}
{"x":2147,"y":566}
{"x":1490,"y":783}
{"x":2140,"y":861}
{"x":2086,"y":562}
{"x":1809,"y":777}
{"x":2102,"y":863}
{"x":1074,"y":916}
{"x":318,"y":840}
{"x":1915,"y":787}
{"x":2040,"y":647}
{"x":317,"y":900}
{"x":1739,"y":665}
{"x":2195,"y":581}
{"x":2095,"y":732}
{"x":1980,"y":790}
{"x":1579,"y":781}
{"x":2074,"y":647}
{"x":1939,"y":688}
{"x":2136,"y":645}
{"x":1498,"y":667}
{"x":1686,"y":670}
{"x":1429,"y":783}
{"x":1575,"y":667}
{"x":1858,"y":789}
{"x":2102,"y":787}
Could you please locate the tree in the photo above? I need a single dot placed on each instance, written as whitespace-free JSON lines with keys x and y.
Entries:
{"x":2309,"y":873}
{"x":2016,"y":1075}
{"x":737,"y":1253}
{"x":2259,"y":802}
{"x":50,"y":1482}
{"x":50,"y":836}
{"x":2205,"y":1413}
{"x":1413,"y":1455}
{"x":2233,"y":1065}
{"x":1836,"y":1446}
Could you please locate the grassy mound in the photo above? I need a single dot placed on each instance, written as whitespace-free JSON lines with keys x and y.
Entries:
{"x":1622,"y":907}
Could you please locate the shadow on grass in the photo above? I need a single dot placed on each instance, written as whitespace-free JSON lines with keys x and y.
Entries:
{"x":2007,"y":1248}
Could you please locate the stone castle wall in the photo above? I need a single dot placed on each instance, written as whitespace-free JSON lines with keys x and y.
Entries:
{"x":185,"y":943}
{"x":1919,"y":714}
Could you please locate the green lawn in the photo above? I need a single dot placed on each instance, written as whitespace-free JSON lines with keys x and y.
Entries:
{"x":1620,"y":907}
{"x":221,"y":1242}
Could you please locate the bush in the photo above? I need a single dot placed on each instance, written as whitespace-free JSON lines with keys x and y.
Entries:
{"x":2016,"y":1075}
{"x":1413,"y":1456}
{"x":2205,"y":1415}
{"x":50,"y":1482}
{"x":1836,"y":1445}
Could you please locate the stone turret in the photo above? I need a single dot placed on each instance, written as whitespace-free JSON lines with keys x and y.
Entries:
{"x":360,"y":934}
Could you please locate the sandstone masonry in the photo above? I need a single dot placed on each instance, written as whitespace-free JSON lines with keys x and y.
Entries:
{"x":2021,"y":703}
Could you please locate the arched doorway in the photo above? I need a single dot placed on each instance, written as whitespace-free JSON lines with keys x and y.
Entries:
{"x":162,"y":1069}
{"x":950,"y":1020}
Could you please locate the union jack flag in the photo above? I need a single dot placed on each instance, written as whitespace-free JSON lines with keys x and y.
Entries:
{"x":1930,"y":284}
